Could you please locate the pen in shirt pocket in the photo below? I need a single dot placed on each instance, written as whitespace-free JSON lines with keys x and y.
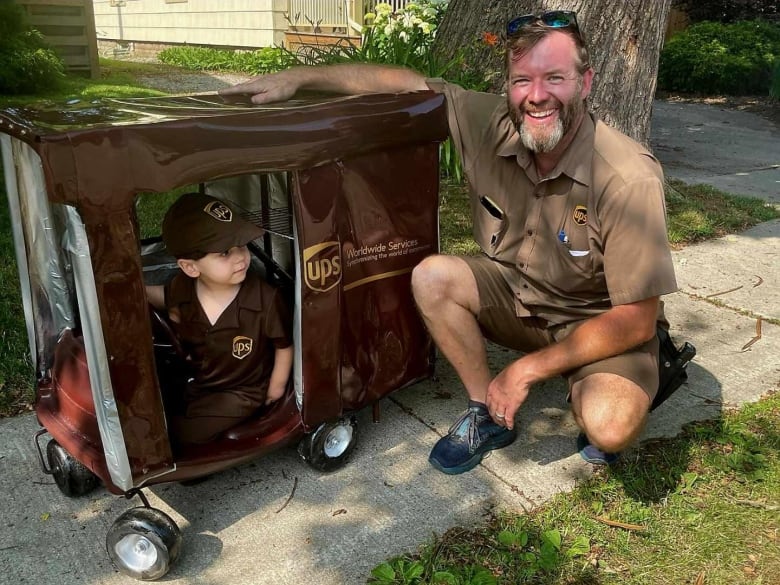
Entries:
{"x":564,"y":239}
{"x":491,"y":207}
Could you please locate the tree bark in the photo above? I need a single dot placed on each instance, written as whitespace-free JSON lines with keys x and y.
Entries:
{"x":624,"y":37}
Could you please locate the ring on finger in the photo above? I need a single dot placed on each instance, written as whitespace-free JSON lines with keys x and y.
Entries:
{"x":500,"y":415}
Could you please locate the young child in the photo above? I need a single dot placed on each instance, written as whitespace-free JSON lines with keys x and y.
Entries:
{"x":233,"y":325}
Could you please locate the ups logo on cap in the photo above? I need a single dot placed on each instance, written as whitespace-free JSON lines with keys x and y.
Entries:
{"x":322,"y":266}
{"x":242,"y":346}
{"x":219,"y":211}
{"x":580,"y":215}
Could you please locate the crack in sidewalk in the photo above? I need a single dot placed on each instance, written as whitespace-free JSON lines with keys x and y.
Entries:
{"x":723,"y":305}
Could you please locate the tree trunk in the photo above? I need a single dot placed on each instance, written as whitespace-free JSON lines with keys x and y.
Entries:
{"x":624,"y":37}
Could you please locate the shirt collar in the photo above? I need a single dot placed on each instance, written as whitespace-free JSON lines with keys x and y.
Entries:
{"x":577,"y":160}
{"x":249,"y":297}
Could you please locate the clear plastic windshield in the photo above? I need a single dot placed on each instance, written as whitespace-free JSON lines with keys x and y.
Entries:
{"x":55,"y":274}
{"x":45,"y":274}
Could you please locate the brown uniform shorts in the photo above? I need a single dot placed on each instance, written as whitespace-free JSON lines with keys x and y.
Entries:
{"x":499,"y":323}
{"x":206,"y":416}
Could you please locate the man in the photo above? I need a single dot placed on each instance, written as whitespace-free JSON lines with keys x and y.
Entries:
{"x":570,"y":217}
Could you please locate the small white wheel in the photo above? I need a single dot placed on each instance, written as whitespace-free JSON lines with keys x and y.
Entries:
{"x":143,"y":543}
{"x":328,"y":448}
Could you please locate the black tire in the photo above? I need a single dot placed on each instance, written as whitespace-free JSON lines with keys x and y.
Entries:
{"x":329,"y":447}
{"x":143,"y":543}
{"x":72,"y":477}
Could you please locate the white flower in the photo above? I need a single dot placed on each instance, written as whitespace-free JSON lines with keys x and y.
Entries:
{"x":383,"y":10}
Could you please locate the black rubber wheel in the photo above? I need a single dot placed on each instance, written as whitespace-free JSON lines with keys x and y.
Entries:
{"x":143,"y":543}
{"x":329,"y":447}
{"x":72,"y":477}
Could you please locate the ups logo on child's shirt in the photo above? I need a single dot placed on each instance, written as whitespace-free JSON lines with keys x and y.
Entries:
{"x":242,"y":346}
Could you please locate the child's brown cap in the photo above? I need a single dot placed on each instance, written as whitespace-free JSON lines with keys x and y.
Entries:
{"x":198,"y":224}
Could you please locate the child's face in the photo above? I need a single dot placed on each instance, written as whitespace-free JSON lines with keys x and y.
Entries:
{"x":223,"y":268}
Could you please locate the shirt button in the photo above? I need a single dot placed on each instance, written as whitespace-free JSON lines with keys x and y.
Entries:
{"x":530,"y":232}
{"x":525,"y":286}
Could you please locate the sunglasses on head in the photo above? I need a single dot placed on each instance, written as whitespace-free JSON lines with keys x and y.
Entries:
{"x":552,"y":18}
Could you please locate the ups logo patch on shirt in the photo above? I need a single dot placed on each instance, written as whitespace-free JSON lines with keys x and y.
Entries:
{"x":580,"y":215}
{"x":242,"y":346}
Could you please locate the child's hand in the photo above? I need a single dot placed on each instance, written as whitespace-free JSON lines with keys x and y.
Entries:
{"x":274,"y":394}
{"x":280,"y":374}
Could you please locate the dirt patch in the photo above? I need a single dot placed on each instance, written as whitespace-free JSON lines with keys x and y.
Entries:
{"x":191,"y":82}
{"x":15,"y":400}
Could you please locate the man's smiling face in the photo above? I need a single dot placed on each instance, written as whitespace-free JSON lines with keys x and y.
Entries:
{"x":546,"y":92}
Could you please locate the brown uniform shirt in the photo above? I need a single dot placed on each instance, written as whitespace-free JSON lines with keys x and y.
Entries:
{"x":236,"y":354}
{"x":571,"y":245}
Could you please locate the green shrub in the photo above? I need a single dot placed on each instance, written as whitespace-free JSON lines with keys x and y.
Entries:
{"x":731,"y":10}
{"x":716,"y":58}
{"x":265,"y":60}
{"x":405,"y":36}
{"x":774,"y":88}
{"x":27,"y":64}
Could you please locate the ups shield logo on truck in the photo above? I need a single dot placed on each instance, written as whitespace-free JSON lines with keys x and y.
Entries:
{"x":322,"y":266}
{"x":242,"y":346}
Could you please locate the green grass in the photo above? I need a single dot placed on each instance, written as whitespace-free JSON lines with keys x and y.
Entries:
{"x":117,"y":79}
{"x":455,"y":220}
{"x":16,"y":376}
{"x":151,"y":208}
{"x":700,"y":212}
{"x":701,"y":506}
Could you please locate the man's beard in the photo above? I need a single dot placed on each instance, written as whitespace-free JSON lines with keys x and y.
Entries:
{"x":543,"y":139}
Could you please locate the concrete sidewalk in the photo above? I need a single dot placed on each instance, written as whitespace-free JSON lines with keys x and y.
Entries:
{"x":734,"y":151}
{"x":388,"y":500}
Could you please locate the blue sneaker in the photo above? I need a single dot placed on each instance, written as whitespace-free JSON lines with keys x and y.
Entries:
{"x":467,"y":441}
{"x":594,"y":455}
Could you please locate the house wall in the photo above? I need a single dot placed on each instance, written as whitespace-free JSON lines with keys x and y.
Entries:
{"x":223,"y":23}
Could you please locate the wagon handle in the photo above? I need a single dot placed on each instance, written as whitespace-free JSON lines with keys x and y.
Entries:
{"x":41,"y":459}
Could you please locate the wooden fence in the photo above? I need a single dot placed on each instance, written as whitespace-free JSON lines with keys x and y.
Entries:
{"x":69,"y":27}
{"x":333,"y":16}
